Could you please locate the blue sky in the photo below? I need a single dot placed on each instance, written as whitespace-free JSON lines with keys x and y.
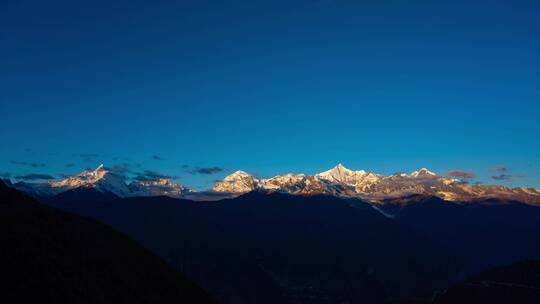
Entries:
{"x":271,"y":87}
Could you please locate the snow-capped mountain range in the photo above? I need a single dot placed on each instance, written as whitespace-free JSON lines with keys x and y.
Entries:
{"x":105,"y":180}
{"x":338,"y":181}
{"x":376,"y":188}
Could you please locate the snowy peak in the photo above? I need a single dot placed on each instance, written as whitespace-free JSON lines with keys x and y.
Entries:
{"x":100,"y":179}
{"x":238,"y":182}
{"x":86,"y":177}
{"x":423,"y":173}
{"x":340,"y":168}
{"x":238,"y":175}
{"x":337,"y":171}
{"x":281,"y":182}
{"x":340,"y":174}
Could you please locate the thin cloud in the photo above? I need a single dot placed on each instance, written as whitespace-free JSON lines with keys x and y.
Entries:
{"x":117,"y":158}
{"x":121,"y":168}
{"x":502,"y":177}
{"x":28,"y":164}
{"x":461,"y":174}
{"x":157,"y":157}
{"x":35,"y":176}
{"x":499,"y":169}
{"x":87,"y":157}
{"x":507,"y":177}
{"x":151,"y":176}
{"x":202,"y":170}
{"x":124,"y":170}
{"x":70,"y":165}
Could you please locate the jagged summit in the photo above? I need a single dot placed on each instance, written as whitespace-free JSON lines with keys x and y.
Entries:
{"x":100,"y":178}
{"x":340,"y":167}
{"x":337,"y":169}
{"x":340,"y":174}
{"x":238,"y":182}
{"x":238,"y":174}
{"x":423,"y":173}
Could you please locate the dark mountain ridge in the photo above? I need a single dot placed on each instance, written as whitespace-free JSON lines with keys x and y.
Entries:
{"x":517,"y":283}
{"x":268,"y":248}
{"x":50,"y":256}
{"x":487,"y":233}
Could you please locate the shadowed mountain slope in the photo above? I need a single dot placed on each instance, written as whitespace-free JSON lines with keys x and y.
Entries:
{"x":49,"y":256}
{"x":486,"y":233}
{"x":517,"y":283}
{"x":278,"y":248}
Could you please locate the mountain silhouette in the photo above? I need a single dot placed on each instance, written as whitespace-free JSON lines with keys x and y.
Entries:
{"x":517,"y":283}
{"x":486,"y":233}
{"x":278,"y":248}
{"x":50,"y":256}
{"x":84,"y":194}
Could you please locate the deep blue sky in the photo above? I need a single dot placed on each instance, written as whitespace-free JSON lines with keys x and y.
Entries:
{"x":271,"y":86}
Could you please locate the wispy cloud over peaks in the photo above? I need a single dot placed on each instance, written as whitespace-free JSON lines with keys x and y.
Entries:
{"x":202,"y":170}
{"x":461,"y":174}
{"x":501,"y":174}
{"x":87,"y":157}
{"x":502,"y":177}
{"x":149,"y":176}
{"x":498,"y":169}
{"x":28,"y":164}
{"x":34,"y":176}
{"x":121,"y":168}
{"x":507,"y":177}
